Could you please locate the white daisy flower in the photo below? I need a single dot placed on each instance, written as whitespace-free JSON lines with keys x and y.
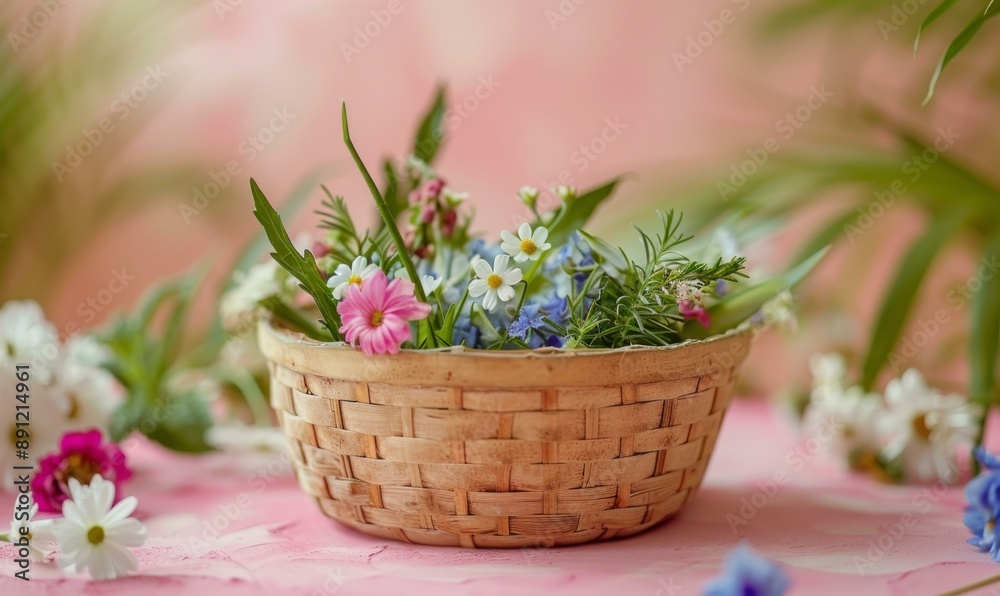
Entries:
{"x":926,"y":428}
{"x":849,"y":417}
{"x":345,"y":275}
{"x":528,"y":195}
{"x":428,"y":282}
{"x":527,"y":244}
{"x":27,"y":337}
{"x":95,"y":536}
{"x":260,"y":282}
{"x":496,"y":283}
{"x":41,"y":540}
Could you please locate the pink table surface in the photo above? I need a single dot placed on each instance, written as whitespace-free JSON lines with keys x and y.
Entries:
{"x":834,"y":534}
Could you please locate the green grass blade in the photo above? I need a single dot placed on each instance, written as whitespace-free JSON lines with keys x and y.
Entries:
{"x":934,"y":15}
{"x":958,"y":44}
{"x":985,"y":330}
{"x":903,"y":290}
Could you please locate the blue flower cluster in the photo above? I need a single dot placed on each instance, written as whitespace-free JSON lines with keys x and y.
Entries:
{"x":982,"y":496}
{"x":746,"y":573}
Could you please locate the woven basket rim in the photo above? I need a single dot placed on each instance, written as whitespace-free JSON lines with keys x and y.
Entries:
{"x":464,"y":367}
{"x":296,"y":339}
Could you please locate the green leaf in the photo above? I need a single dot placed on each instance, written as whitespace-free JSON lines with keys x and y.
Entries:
{"x":126,"y":418}
{"x":730,"y":312}
{"x":575,"y":215}
{"x":396,"y":200}
{"x":183,"y":426}
{"x":302,"y":267}
{"x":985,"y":331}
{"x":934,"y":15}
{"x":901,"y":293}
{"x":488,"y":333}
{"x":430,"y":134}
{"x":611,"y":255}
{"x":959,"y":43}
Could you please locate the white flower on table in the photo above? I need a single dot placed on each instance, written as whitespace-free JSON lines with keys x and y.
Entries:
{"x":356,"y":273}
{"x":851,"y":414}
{"x":95,"y":536}
{"x":926,"y":427}
{"x":495,"y":283}
{"x":527,"y":245}
{"x":27,"y":337}
{"x":41,"y":541}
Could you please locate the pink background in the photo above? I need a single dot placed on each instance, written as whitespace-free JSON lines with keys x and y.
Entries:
{"x":557,"y":78}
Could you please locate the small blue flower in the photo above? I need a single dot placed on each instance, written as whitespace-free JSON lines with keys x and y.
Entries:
{"x":554,"y":341}
{"x":557,"y":309}
{"x":529,"y":318}
{"x":746,"y":574}
{"x":721,"y":287}
{"x":982,"y":495}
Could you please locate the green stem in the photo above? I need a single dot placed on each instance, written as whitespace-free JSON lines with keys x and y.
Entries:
{"x":973,"y":586}
{"x":388,"y":219}
{"x":520,"y":303}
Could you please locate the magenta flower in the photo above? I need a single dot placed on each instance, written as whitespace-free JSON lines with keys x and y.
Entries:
{"x":81,"y":455}
{"x":376,"y":315}
{"x":689,"y":310}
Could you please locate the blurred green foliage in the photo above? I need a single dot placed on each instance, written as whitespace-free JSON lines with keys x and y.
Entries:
{"x":74,"y":96}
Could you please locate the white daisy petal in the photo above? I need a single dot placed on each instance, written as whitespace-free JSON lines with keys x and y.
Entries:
{"x":540,"y":236}
{"x":524,"y":231}
{"x":123,"y":509}
{"x":512,"y":277}
{"x":505,"y":293}
{"x":500,"y":264}
{"x":477,"y":288}
{"x":490,"y":301}
{"x":482,"y":268}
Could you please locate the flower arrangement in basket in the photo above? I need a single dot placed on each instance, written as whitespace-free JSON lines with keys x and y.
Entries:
{"x":540,"y":388}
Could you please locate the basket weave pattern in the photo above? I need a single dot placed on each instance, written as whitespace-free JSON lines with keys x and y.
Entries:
{"x":501,"y":450}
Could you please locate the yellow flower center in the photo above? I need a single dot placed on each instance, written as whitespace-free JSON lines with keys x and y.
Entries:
{"x":920,"y":427}
{"x":494,"y":281}
{"x":377,"y":318}
{"x":95,"y":535}
{"x":355,"y":279}
{"x":528,"y":246}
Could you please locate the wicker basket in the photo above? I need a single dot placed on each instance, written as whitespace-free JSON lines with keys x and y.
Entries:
{"x":501,"y":449}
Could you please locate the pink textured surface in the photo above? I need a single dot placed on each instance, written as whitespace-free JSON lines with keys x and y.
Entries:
{"x":274,"y":540}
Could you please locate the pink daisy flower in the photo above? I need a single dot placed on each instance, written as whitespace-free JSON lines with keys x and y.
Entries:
{"x":376,"y":315}
{"x":690,"y":310}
